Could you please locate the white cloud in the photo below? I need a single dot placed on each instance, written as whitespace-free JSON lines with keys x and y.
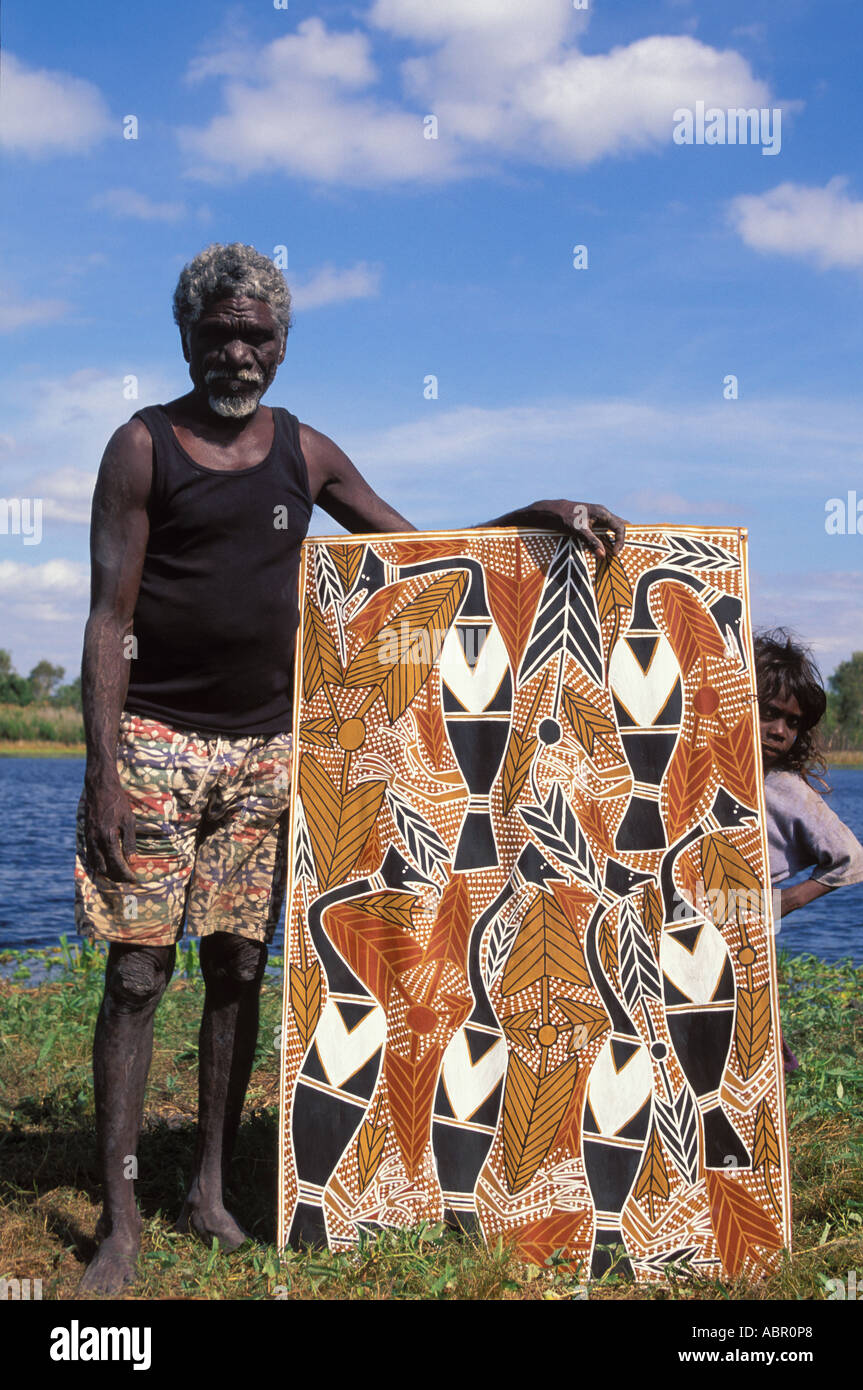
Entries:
{"x":675,"y":450}
{"x":822,"y":607}
{"x":305,"y":112}
{"x":502,"y":78}
{"x":44,"y":611}
{"x":70,"y":418}
{"x":820,"y":224}
{"x":66,"y":494}
{"x":45,"y":112}
{"x":329,"y":285}
{"x":128,"y":202}
{"x":35,"y":583}
{"x":20,"y":313}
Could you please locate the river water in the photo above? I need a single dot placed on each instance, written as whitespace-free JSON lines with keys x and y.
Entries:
{"x":38,"y":797}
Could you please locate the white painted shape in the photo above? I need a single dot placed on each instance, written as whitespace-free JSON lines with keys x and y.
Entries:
{"x":467,"y":1086}
{"x":643,"y":694}
{"x":696,"y":974}
{"x":342,"y":1053}
{"x":616,"y":1096}
{"x":474,"y":688}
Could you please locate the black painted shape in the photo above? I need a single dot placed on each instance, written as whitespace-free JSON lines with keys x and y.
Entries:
{"x":611,"y":1171}
{"x":479,"y":745}
{"x":472,"y":639}
{"x":641,"y":827}
{"x":603,"y":1260}
{"x":648,"y":754}
{"x":728,"y":613}
{"x":621,"y":880}
{"x":442,"y":1107}
{"x":398,"y":874}
{"x":621,"y":1051}
{"x":672,"y":994}
{"x":701,"y":1040}
{"x":642,"y":649}
{"x":307,"y":1227}
{"x":641,"y":614}
{"x":322,"y":1126}
{"x":676,"y":908}
{"x":637,"y":1127}
{"x":620,"y":1020}
{"x":722,"y":1143}
{"x":371,"y":574}
{"x":501,"y":700}
{"x":488,"y":1111}
{"x":476,"y":847}
{"x":460,"y":1156}
{"x":622,"y":716}
{"x":687,"y":936}
{"x":478,"y":1044}
{"x":464,"y":1221}
{"x":474,"y":604}
{"x":588,"y":1123}
{"x":352,"y":1014}
{"x":533,"y":865}
{"x":314,"y":1067}
{"x":340,"y":978}
{"x":729,"y":811}
{"x":725,"y":990}
{"x":363,"y":1081}
{"x":672,"y":710}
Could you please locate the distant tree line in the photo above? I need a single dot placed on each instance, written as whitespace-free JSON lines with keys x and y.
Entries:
{"x":843,"y":723}
{"x":43,"y":686}
{"x":842,"y":727}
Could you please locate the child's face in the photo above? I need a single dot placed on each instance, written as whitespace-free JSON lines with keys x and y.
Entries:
{"x":779,"y":719}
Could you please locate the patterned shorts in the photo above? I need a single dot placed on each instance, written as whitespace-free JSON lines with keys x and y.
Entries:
{"x":211,"y":823}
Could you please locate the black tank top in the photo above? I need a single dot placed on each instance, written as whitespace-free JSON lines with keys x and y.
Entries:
{"x":217,"y":613}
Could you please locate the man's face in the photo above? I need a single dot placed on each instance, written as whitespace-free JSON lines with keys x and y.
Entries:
{"x":780,"y":720}
{"x":233,"y":352}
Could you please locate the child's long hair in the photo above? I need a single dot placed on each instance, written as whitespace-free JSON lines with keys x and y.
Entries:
{"x":784,"y":667}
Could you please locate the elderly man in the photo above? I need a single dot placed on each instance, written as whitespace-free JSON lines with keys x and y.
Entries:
{"x":199,"y":512}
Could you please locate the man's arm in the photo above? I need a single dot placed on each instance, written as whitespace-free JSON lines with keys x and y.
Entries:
{"x":341,"y":490}
{"x":338,"y":487}
{"x":119,"y":530}
{"x":581,"y":519}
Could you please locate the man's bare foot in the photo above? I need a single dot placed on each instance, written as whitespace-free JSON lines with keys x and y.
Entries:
{"x":114,"y":1266}
{"x":210,"y":1221}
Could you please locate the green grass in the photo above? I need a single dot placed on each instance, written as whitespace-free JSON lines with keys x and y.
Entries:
{"x":49,"y":1186}
{"x":40,"y":724}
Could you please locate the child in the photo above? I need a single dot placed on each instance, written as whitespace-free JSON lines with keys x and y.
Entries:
{"x":802,"y":830}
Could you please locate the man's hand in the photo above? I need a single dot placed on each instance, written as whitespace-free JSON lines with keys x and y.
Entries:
{"x":581,"y":519}
{"x":109,"y":830}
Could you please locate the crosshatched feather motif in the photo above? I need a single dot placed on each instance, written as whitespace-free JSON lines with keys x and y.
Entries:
{"x":530,"y":983}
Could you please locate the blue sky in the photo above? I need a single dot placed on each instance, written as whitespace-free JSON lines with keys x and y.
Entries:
{"x":453,"y":257}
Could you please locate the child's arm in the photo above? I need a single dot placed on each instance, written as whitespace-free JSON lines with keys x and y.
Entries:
{"x":804,"y":831}
{"x":801,"y":894}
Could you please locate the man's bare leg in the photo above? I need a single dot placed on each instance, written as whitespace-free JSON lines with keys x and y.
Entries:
{"x":135,"y":980}
{"x":233,"y":968}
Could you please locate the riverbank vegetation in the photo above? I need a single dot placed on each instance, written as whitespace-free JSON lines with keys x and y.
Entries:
{"x":49,"y":1189}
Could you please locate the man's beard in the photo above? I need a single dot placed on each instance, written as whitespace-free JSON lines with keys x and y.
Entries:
{"x":236,"y":406}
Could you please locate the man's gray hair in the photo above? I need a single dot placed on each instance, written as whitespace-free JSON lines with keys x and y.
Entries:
{"x":230,"y":272}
